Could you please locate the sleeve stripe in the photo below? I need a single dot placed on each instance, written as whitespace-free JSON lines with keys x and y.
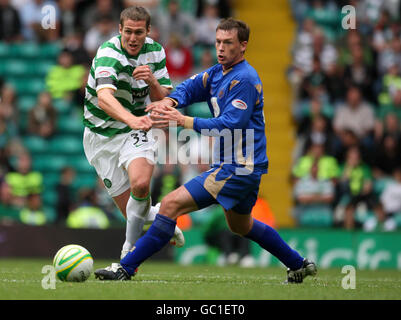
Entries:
{"x":204,"y":79}
{"x":103,"y":86}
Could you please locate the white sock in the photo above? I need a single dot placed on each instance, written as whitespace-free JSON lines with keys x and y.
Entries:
{"x":152,"y":214}
{"x":137,"y":211}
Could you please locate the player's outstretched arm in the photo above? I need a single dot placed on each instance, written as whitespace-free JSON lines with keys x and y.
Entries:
{"x":109,"y":104}
{"x":238,"y":109}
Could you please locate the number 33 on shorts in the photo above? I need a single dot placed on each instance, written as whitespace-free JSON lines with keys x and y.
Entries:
{"x":140,"y":137}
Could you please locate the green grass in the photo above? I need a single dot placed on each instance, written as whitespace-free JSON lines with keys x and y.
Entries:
{"x":21,"y":279}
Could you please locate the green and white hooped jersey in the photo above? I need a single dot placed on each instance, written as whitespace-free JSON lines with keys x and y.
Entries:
{"x":112,"y":67}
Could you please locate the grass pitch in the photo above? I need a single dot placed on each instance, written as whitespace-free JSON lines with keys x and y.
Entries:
{"x":21,"y":279}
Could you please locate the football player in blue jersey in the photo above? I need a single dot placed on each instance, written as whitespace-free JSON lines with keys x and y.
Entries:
{"x":234,"y":93}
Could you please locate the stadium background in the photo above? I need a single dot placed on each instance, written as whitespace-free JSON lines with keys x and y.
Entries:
{"x":41,"y":208}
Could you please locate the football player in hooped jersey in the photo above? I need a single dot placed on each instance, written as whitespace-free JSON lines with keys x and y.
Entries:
{"x":128,"y":72}
{"x":233,"y":91}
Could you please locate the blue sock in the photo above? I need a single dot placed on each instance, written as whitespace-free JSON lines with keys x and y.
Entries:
{"x":158,"y":235}
{"x":271,"y":241}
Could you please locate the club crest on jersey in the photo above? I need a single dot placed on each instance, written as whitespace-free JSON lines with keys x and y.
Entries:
{"x":239,"y":104}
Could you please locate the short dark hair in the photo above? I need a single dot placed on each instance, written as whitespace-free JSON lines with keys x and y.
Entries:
{"x":231,"y":23}
{"x":135,"y":13}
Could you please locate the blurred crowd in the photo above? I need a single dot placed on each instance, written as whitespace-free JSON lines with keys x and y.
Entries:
{"x":347,"y":109}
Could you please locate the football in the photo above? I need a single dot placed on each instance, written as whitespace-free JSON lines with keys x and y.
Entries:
{"x":73,"y":263}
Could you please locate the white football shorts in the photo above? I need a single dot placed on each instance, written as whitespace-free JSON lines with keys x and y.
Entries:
{"x":111,"y":156}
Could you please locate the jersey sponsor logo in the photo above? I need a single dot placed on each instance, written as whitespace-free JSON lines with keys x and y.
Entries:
{"x":239,"y":104}
{"x":140,"y":93}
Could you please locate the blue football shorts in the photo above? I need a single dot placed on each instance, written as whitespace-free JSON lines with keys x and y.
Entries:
{"x":221,"y":185}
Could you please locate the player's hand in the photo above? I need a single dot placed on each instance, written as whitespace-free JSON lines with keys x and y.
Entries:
{"x":140,"y":123}
{"x":144,"y":73}
{"x":165,"y":115}
{"x":164,"y":105}
{"x":161,"y":104}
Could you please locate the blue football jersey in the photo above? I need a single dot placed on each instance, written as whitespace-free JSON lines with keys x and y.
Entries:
{"x":235,"y":98}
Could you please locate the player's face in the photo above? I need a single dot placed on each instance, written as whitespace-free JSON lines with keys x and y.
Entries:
{"x":133,"y":35}
{"x":229,"y":49}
